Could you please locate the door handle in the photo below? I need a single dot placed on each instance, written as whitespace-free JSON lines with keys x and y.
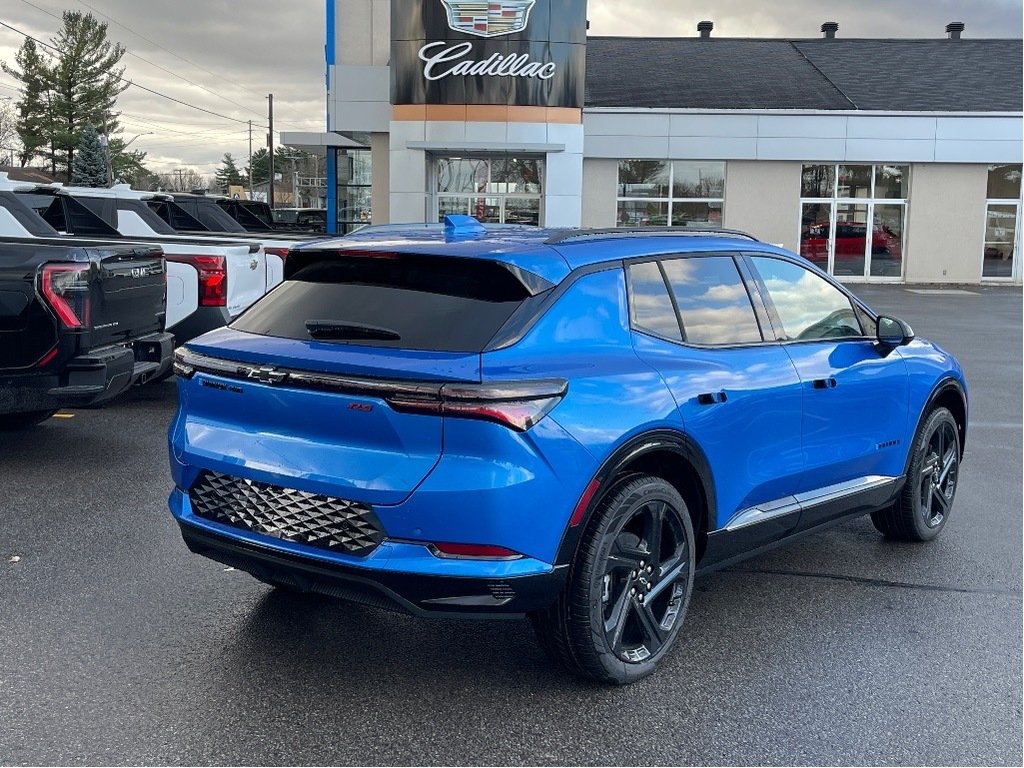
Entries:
{"x":829,"y":383}
{"x":710,"y":398}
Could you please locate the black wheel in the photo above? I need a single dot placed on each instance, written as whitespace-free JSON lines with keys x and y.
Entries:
{"x":924,"y":505}
{"x":629,"y":585}
{"x":23,"y":420}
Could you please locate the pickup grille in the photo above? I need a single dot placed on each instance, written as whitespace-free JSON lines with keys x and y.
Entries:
{"x":286,"y":513}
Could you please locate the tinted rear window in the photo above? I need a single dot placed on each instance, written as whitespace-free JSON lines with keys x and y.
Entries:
{"x":430,"y":302}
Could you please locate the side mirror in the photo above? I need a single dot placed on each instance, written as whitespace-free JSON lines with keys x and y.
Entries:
{"x":893,"y":332}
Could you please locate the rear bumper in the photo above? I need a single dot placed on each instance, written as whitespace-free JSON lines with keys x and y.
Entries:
{"x":415,"y":586}
{"x":89,"y":379}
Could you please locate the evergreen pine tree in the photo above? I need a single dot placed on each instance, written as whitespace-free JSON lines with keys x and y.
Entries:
{"x":66,"y":87}
{"x":228,"y":174}
{"x":34,"y":123}
{"x":90,"y":164}
{"x":85,"y":82}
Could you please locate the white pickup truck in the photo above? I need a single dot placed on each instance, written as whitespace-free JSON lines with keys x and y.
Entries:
{"x":210,"y":280}
{"x":189,"y":214}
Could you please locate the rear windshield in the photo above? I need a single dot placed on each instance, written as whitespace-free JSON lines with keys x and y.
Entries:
{"x":391,"y":300}
{"x":211,"y":215}
{"x":176,"y":216}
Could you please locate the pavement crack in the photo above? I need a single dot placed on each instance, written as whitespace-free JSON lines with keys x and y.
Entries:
{"x":878,"y":582}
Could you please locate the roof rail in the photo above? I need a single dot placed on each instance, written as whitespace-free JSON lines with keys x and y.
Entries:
{"x":572,"y":235}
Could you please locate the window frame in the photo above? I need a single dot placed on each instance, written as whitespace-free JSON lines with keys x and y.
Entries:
{"x":869,"y":202}
{"x":761,"y":317}
{"x":859,"y":307}
{"x":671,"y":199}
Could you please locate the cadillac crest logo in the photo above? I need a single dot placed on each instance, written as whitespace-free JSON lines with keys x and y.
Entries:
{"x":488,"y":19}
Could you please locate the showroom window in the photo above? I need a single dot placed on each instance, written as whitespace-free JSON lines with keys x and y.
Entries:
{"x":852,"y":218}
{"x":496,"y":190}
{"x":354,"y":189}
{"x":1002,"y":222}
{"x":653,"y":193}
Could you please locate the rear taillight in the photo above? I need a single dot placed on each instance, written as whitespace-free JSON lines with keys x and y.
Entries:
{"x":517,"y":404}
{"x":65,"y":287}
{"x":472,"y":551}
{"x":213,"y":277}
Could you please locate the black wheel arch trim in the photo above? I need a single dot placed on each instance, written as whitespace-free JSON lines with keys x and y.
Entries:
{"x":610,"y":475}
{"x":946,"y":384}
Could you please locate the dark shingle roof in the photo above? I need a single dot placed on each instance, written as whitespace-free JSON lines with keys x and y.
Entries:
{"x":929,"y":75}
{"x":731,"y":73}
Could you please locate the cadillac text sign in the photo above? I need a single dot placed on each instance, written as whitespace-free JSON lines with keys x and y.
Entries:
{"x":515,"y":52}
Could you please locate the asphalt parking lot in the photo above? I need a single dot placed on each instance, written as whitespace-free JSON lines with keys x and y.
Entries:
{"x":119,"y":646}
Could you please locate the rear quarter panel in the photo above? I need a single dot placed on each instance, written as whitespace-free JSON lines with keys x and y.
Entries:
{"x":612,"y":395}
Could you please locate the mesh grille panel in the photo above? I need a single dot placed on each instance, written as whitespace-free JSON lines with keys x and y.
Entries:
{"x":285,"y":513}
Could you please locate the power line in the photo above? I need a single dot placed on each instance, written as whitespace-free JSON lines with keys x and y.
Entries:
{"x":132,"y":83}
{"x":153,"y":64}
{"x":172,"y":53}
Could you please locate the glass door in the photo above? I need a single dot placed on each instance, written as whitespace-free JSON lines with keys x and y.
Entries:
{"x":1002,"y":233}
{"x":495,"y":190}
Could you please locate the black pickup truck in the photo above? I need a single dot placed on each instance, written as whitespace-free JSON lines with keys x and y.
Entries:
{"x":80,"y":322}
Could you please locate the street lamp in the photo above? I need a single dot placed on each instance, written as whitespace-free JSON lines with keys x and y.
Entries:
{"x":105,"y":143}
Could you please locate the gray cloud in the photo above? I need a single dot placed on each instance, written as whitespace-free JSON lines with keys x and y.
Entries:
{"x":262,"y":46}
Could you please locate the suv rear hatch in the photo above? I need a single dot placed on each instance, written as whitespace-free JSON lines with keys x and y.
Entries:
{"x":340,"y":376}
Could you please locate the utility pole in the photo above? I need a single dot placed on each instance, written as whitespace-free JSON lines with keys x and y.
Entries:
{"x":270,"y":149}
{"x":250,"y":159}
{"x":181,"y":181}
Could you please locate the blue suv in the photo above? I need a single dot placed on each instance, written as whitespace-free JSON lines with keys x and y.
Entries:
{"x":568,"y":425}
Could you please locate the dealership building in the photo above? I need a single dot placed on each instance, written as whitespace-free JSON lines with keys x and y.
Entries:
{"x":883,"y":160}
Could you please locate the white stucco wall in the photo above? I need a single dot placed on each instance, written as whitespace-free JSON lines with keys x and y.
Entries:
{"x":763,"y":198}
{"x":600,"y":179}
{"x":380,"y":160}
{"x":945,"y":223}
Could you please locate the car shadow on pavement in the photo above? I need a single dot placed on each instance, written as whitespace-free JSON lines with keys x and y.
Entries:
{"x":363,"y":644}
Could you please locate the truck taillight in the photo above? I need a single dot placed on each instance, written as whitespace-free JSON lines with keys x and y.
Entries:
{"x":281,"y":253}
{"x":213,"y":277}
{"x":65,"y":287}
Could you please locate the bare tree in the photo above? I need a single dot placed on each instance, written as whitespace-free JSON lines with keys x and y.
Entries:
{"x":9,"y":143}
{"x":183,"y":180}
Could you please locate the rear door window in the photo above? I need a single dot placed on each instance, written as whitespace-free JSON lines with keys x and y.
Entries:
{"x":714,"y":307}
{"x":392,"y":300}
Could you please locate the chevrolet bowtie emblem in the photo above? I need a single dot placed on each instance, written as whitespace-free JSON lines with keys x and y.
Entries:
{"x":266,"y":374}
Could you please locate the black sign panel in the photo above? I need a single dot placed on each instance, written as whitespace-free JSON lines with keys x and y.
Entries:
{"x":514,"y":52}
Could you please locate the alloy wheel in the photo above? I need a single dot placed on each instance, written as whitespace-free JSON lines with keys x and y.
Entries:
{"x":644,"y":586}
{"x":938,"y":476}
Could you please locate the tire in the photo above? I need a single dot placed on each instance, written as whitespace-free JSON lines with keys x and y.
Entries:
{"x":923,"y":507}
{"x":628,"y":588}
{"x":11,"y":421}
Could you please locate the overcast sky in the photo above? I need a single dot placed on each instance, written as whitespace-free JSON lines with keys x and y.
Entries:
{"x":240,"y":50}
